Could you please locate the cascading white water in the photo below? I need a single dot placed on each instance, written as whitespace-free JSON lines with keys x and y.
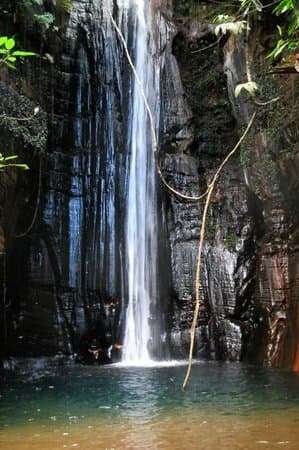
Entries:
{"x":141,"y":204}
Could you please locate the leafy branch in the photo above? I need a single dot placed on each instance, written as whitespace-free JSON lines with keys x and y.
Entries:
{"x":4,"y":163}
{"x":9,"y":56}
{"x":288,"y":34}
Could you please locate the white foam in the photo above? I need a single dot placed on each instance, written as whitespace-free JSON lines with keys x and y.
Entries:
{"x":152,"y":364}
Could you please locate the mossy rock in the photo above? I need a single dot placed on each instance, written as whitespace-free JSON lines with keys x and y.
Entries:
{"x":17,"y":119}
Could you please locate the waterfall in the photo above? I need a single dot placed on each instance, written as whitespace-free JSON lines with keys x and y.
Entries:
{"x":141,"y":199}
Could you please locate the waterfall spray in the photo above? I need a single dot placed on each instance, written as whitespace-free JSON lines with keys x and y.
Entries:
{"x":141,"y":206}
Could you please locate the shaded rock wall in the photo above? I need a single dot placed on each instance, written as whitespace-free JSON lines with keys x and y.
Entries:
{"x":71,"y":273}
{"x":266,"y":160}
{"x":228,"y":255}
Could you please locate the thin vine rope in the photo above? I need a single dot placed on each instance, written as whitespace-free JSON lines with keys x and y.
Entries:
{"x":200,"y":246}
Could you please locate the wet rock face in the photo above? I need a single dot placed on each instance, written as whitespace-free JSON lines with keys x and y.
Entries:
{"x":266,"y":163}
{"x":70,"y":264}
{"x":250,"y":267}
{"x":228,"y":257}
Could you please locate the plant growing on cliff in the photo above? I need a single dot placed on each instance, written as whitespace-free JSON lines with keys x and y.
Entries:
{"x":251,"y":87}
{"x":9,"y":56}
{"x":287,"y":41}
{"x":45,"y":13}
{"x":5,"y":161}
{"x":288,"y":32}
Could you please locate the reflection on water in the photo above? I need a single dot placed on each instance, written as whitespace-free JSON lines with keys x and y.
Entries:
{"x":226,"y":407}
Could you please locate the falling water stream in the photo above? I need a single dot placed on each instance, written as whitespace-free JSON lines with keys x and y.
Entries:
{"x":141,"y":207}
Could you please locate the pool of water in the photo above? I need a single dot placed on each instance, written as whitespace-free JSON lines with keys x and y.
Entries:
{"x":226,"y":406}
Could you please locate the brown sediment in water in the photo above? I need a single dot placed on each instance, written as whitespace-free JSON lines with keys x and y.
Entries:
{"x":196,"y":430}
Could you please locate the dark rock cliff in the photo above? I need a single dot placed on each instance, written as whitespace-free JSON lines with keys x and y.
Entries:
{"x":64,"y":276}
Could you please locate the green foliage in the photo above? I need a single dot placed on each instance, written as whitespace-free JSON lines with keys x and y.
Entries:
{"x":231,"y":241}
{"x":5,"y":162}
{"x":210,"y":229}
{"x":287,"y":38}
{"x":7,"y":53}
{"x":223,"y":18}
{"x":255,"y":5}
{"x":65,"y":5}
{"x":46,"y":20}
{"x":288,"y":34}
{"x":9,"y":56}
{"x":245,"y":154}
{"x":230,"y":27}
{"x":45,"y":13}
{"x":284,"y":6}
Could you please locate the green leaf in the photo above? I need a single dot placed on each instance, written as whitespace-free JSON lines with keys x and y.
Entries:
{"x":250,"y":87}
{"x":293,"y":25}
{"x":45,"y":19}
{"x":230,"y":27}
{"x":280,"y":46}
{"x":7,"y":158}
{"x":258,"y":5}
{"x":293,"y":45}
{"x":10,"y":43}
{"x":3,"y":39}
{"x":223,"y":18}
{"x":23,"y":54}
{"x":283,"y":6}
{"x":21,"y":166}
{"x":10,"y":65}
{"x":11,"y":59}
{"x":49,"y":58}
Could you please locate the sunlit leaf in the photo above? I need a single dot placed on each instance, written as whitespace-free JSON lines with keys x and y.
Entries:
{"x":8,"y":158}
{"x":250,"y":87}
{"x":10,"y":65}
{"x":3,"y":39}
{"x":49,"y":58}
{"x":223,"y":18}
{"x":280,"y":46}
{"x":10,"y":43}
{"x":20,"y":166}
{"x":230,"y":27}
{"x":23,"y":54}
{"x":283,"y":6}
{"x":258,"y":5}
